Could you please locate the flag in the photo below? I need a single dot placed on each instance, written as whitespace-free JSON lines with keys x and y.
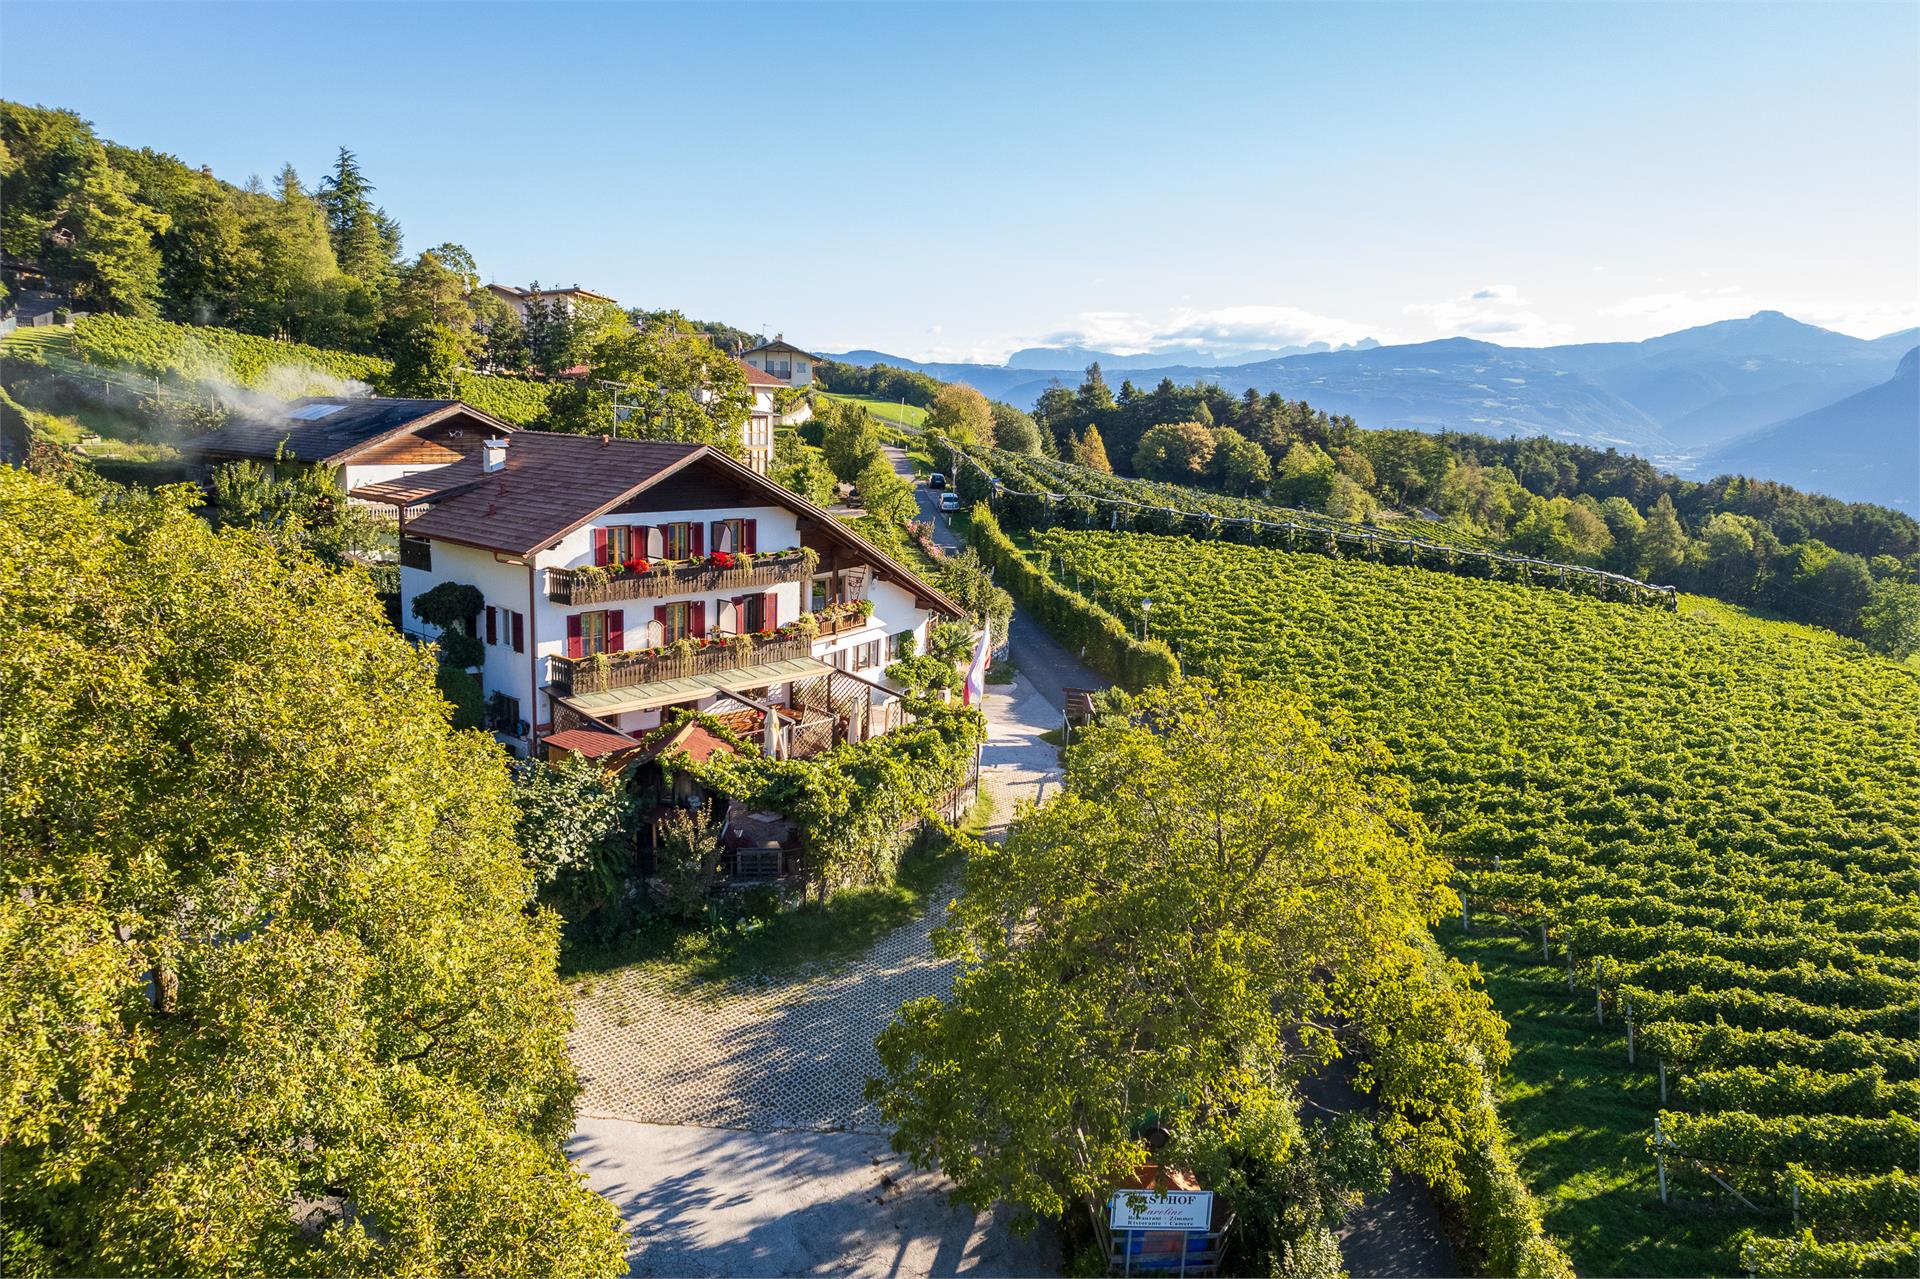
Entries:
{"x":976,"y":686}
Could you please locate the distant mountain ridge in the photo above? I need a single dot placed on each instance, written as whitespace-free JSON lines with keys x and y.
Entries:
{"x":1675,"y":398}
{"x":1865,"y":447}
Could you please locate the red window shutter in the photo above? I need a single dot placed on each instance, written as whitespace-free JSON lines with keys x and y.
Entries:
{"x":773,"y":609}
{"x":697,"y":619}
{"x":637,"y":541}
{"x":519,"y":632}
{"x":660,"y":623}
{"x":493,"y":625}
{"x":749,"y":536}
{"x":573,"y":636}
{"x":696,"y":539}
{"x":616,"y":630}
{"x":600,"y":553}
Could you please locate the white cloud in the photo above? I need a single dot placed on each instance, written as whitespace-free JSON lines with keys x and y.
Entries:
{"x":1682,"y":309}
{"x":1495,"y":313}
{"x":1219,"y":331}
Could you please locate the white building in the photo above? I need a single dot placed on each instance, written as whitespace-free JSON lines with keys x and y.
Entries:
{"x":623,"y":578}
{"x":361,"y":440}
{"x":764,"y":417}
{"x":568,"y":300}
{"x":784,"y":360}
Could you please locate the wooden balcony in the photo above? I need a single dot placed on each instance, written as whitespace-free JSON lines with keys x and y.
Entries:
{"x":839,"y":619}
{"x":575,"y":586}
{"x":624,"y":670}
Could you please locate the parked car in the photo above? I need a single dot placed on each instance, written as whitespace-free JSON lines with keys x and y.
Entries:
{"x":936,"y":481}
{"x":949,"y":501}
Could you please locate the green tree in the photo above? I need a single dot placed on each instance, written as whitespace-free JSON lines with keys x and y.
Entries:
{"x":801,"y":468}
{"x":1663,"y":543}
{"x":105,"y":238}
{"x":668,"y":387}
{"x":961,"y":414}
{"x":1890,"y":623}
{"x":305,"y":1021}
{"x":1239,"y":465}
{"x":296,"y":506}
{"x":1346,"y":500}
{"x":850,"y":438}
{"x":1304,"y":477}
{"x":1016,"y":431}
{"x":364,"y":241}
{"x":1175,"y":452}
{"x":1165,"y":941}
{"x":571,"y":830}
{"x":883,"y":492}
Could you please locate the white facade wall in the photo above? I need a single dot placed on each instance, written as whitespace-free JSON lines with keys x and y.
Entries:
{"x":513,"y":586}
{"x":504,"y":586}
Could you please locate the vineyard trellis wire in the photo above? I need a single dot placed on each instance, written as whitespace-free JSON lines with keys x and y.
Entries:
{"x":1325,"y":537}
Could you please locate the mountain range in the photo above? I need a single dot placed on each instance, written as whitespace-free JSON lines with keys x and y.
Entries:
{"x":1697,"y":401}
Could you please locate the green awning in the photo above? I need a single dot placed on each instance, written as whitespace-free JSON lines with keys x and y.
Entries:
{"x":640,"y":697}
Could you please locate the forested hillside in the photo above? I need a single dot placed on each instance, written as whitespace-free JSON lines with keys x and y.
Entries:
{"x":1852,"y":567}
{"x":1705,"y":819}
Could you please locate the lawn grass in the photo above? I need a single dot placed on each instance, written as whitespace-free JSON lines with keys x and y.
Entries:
{"x":1580,"y":1118}
{"x":911,"y":415}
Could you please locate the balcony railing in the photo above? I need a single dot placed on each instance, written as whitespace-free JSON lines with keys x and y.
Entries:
{"x":839,"y":619}
{"x":725,"y":653}
{"x":575,"y":586}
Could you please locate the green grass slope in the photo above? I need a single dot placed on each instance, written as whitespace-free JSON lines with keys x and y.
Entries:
{"x":1713,"y":814}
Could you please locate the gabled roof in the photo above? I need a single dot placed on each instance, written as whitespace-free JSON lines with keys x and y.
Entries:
{"x":553,"y":483}
{"x":329,"y":430}
{"x":759,"y":377}
{"x":781,"y":344}
{"x":576,"y":291}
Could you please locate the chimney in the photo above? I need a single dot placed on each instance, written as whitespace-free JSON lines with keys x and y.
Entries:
{"x":493,"y":456}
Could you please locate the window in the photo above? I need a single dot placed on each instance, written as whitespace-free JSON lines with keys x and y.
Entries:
{"x":676,"y":622}
{"x":506,"y":714}
{"x":867,"y":655}
{"x":593,"y":633}
{"x":416,"y":552}
{"x":822,"y":592}
{"x":620,"y":544}
{"x":734,"y":536}
{"x":676,"y":541}
{"x":749,"y":614}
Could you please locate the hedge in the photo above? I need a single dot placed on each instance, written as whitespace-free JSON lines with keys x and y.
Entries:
{"x":1075,"y":620}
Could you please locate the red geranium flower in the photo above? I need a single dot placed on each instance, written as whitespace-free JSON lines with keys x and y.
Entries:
{"x":722,"y":558}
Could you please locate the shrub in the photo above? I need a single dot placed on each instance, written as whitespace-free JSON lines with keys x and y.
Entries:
{"x":1076,"y":620}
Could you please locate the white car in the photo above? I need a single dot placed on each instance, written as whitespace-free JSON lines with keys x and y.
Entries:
{"x":949,"y":501}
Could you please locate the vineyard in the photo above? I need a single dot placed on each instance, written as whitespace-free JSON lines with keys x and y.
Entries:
{"x":1032,"y":493}
{"x":187,"y":358}
{"x":1704,"y":822}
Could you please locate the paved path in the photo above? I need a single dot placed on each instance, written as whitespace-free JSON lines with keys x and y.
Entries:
{"x":705,"y":1201}
{"x":765,"y":1054}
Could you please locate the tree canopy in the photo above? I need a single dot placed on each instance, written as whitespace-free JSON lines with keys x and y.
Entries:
{"x":275,"y":1002}
{"x":1174,"y":940}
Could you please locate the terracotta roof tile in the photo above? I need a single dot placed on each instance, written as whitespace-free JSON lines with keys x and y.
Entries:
{"x":590,"y":743}
{"x":759,"y":377}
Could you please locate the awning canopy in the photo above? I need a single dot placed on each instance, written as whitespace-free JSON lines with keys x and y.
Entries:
{"x":640,"y":697}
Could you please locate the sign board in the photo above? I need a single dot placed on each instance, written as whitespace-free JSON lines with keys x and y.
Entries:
{"x":1160,"y":1210}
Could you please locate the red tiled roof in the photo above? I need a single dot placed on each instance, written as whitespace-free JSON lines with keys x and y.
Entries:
{"x":590,"y":743}
{"x":759,"y":377}
{"x":693,"y":738}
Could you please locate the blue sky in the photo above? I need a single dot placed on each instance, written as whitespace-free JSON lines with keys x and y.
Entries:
{"x":957,"y":181}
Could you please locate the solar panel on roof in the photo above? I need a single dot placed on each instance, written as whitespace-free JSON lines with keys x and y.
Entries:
{"x":312,"y":412}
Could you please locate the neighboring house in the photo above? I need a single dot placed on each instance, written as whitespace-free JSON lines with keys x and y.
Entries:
{"x":783,"y":360}
{"x":567,"y":300}
{"x":363,"y":440}
{"x":758,"y":432}
{"x":624,"y":578}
